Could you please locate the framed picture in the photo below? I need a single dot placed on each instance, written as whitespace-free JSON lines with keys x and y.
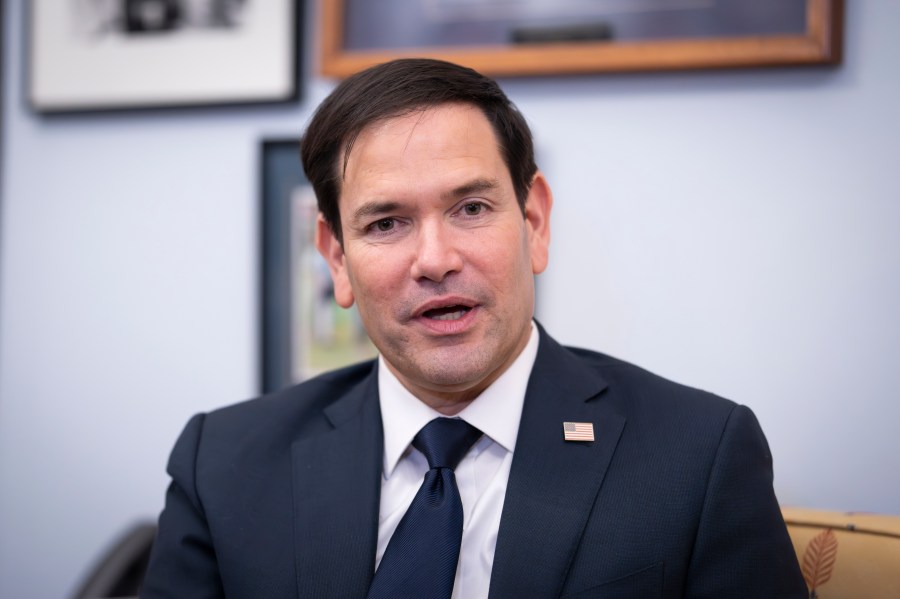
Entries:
{"x":536,"y":37}
{"x":89,"y":55}
{"x":3,"y":51}
{"x":304,"y":332}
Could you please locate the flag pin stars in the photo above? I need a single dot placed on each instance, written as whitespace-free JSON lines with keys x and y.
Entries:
{"x":578,"y":431}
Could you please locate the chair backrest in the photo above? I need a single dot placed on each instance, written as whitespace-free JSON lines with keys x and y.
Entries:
{"x":846,"y":555}
{"x":120,"y":571}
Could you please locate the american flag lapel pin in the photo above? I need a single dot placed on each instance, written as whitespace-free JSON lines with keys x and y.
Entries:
{"x":578,"y":431}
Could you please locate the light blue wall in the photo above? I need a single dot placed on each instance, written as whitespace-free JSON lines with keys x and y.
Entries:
{"x":737,"y":231}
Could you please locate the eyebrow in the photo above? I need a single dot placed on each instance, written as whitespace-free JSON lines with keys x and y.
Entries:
{"x":370,"y":209}
{"x":472,"y":187}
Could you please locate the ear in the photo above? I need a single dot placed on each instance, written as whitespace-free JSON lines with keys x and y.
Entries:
{"x":331,"y":250}
{"x":537,"y":221}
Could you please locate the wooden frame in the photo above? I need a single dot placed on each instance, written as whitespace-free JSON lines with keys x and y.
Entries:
{"x":820,"y":44}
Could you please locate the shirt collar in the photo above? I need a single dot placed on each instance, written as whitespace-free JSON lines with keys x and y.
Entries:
{"x":496,"y":412}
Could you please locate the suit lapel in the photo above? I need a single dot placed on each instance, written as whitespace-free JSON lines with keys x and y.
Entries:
{"x":552,"y":483}
{"x":337,"y":488}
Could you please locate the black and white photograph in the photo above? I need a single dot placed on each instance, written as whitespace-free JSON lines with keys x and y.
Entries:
{"x":100,"y":18}
{"x":118,"y":54}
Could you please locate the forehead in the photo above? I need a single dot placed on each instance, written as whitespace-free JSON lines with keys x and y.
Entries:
{"x":432,"y":141}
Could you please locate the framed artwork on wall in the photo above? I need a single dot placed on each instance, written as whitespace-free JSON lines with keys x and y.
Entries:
{"x":2,"y":93}
{"x":541,"y":37}
{"x":90,"y":55}
{"x":304,"y":332}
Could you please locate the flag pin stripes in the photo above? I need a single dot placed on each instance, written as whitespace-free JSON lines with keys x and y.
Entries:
{"x":578,"y":431}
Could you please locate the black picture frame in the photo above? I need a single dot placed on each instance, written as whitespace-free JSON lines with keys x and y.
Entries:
{"x":110,"y":67}
{"x":297,"y":312}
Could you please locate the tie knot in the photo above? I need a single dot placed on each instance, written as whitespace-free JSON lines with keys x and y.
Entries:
{"x":445,"y":441}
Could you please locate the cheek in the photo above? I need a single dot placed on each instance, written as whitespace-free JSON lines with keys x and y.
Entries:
{"x":376,"y":281}
{"x":506,"y":261}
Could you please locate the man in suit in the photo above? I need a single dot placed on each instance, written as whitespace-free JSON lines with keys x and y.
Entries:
{"x":434,"y":220}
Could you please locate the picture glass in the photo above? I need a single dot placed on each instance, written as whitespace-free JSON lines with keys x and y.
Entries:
{"x":457,"y":23}
{"x":324,"y":335}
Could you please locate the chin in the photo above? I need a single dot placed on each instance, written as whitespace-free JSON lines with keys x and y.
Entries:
{"x":453,"y":373}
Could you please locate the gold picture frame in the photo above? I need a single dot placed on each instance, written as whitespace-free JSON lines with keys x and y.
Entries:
{"x":819,"y":44}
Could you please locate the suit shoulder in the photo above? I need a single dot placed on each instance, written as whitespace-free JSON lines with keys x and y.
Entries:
{"x":293,"y":409}
{"x":647,"y":390}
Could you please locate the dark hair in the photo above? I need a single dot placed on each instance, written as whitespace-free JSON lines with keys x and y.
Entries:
{"x":395,"y":89}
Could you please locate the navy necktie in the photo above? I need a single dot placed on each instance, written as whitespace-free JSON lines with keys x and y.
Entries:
{"x":421,"y":557}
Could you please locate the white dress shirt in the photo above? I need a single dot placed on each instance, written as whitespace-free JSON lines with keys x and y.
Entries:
{"x":481,"y":475}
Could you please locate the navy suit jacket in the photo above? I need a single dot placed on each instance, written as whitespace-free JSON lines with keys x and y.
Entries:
{"x":278,"y":496}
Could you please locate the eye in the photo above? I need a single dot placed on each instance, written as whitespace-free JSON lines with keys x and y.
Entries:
{"x":473,"y":208}
{"x":383,"y":225}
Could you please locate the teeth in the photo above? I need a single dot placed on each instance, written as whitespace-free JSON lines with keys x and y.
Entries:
{"x":449,"y":316}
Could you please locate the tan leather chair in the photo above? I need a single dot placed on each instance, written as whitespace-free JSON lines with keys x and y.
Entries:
{"x":846,"y":555}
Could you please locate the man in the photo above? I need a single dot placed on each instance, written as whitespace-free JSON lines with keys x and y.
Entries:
{"x":434,"y":220}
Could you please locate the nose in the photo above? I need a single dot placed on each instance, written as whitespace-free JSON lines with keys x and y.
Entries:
{"x":437,"y":254}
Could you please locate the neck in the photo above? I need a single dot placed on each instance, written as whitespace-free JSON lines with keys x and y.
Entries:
{"x":451,"y":400}
{"x":448,"y":402}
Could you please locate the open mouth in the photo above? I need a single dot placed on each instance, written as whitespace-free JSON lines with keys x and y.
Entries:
{"x":454,"y":312}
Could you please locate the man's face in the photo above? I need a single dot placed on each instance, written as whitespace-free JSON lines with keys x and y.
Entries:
{"x":436,"y":252}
